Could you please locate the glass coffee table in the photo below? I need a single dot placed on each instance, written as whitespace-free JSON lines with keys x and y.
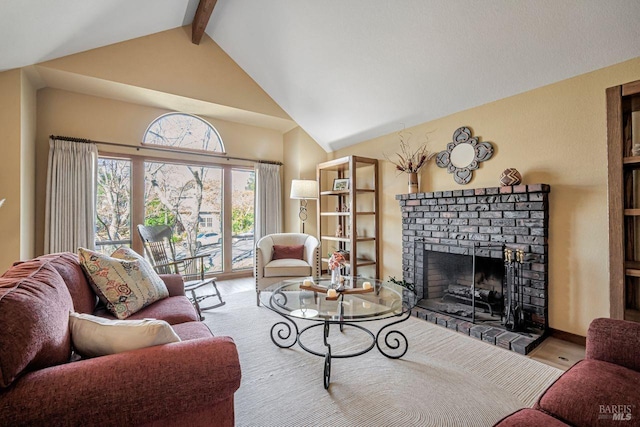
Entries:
{"x":357,"y":301}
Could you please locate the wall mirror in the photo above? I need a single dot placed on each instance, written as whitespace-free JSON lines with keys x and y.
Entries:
{"x":463,"y":155}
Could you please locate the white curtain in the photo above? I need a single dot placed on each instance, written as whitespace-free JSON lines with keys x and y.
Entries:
{"x":71,"y":208}
{"x":268,"y":211}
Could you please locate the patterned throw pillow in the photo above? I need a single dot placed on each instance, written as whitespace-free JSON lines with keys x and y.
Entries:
{"x":124,"y":281}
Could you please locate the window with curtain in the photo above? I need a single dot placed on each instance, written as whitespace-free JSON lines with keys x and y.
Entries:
{"x":209,"y":206}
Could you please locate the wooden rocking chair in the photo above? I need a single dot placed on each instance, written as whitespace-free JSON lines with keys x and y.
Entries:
{"x":161,"y":251}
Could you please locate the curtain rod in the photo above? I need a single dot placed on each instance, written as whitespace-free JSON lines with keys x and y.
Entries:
{"x":166,"y":150}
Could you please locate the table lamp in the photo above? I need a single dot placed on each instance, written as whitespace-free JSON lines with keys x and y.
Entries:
{"x":303,"y":190}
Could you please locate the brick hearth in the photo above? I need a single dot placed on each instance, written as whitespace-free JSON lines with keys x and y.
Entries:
{"x":516,"y":217}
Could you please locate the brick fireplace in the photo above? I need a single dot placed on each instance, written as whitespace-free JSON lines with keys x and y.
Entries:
{"x":479,"y":224}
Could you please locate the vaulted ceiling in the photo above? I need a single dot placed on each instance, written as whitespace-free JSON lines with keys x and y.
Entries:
{"x":350,"y":70}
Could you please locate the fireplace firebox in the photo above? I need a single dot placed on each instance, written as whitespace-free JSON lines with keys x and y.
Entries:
{"x":464,"y":286}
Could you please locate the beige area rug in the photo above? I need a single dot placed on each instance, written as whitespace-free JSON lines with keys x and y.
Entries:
{"x":444,"y":379}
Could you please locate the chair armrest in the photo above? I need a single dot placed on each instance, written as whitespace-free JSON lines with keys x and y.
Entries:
{"x":189,"y":258}
{"x":130,"y":388}
{"x":175,"y":284}
{"x":616,"y":341}
{"x":312,"y":251}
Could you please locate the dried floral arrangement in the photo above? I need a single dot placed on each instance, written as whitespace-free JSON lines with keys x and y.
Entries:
{"x":337,"y":260}
{"x":410,"y":161}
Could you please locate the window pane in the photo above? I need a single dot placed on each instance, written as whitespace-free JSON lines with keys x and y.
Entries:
{"x":189,"y":199}
{"x":113,"y":205}
{"x":184,"y":131}
{"x":244,"y":185}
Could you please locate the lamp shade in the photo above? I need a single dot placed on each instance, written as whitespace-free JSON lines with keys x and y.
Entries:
{"x":304,"y":189}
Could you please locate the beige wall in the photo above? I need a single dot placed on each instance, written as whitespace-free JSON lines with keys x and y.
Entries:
{"x":27,"y":166}
{"x":18,"y":124}
{"x":10,"y":90}
{"x":555,"y":135}
{"x":301,"y":155}
{"x":168,"y":62}
{"x":70,"y":114}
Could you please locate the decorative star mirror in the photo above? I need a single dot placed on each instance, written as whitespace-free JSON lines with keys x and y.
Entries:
{"x":463,"y":155}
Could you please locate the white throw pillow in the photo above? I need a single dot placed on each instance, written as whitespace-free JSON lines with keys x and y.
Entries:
{"x":124,"y":281}
{"x":94,"y":336}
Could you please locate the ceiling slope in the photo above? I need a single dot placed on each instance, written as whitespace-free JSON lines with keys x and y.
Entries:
{"x":348,"y":71}
{"x":33,"y":31}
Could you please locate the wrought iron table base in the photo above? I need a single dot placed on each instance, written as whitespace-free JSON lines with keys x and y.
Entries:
{"x":394,"y":340}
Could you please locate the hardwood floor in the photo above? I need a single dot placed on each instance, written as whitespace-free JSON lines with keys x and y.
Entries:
{"x":553,"y":351}
{"x":558,"y":353}
{"x":232,"y":286}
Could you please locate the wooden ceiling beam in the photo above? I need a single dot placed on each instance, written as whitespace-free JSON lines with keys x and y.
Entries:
{"x":200,"y":21}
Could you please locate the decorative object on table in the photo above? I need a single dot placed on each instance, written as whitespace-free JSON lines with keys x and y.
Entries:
{"x":463,"y":155}
{"x":339,"y":230}
{"x":341,"y":184}
{"x":336,"y":262}
{"x":303,"y":190}
{"x":510,"y":176}
{"x":334,"y":294}
{"x":410,"y":161}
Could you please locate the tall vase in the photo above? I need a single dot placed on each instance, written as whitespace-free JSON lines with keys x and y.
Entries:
{"x":413,"y":182}
{"x":335,"y":276}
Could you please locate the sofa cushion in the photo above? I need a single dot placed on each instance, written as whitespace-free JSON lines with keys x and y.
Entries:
{"x":94,"y":336}
{"x":615,"y":341}
{"x":192,"y":330}
{"x":124,"y":281}
{"x":34,"y":319}
{"x":172,"y":310}
{"x":284,"y":252}
{"x":287,"y":268}
{"x":529,"y":418}
{"x":586,"y":393}
{"x":68,"y":265}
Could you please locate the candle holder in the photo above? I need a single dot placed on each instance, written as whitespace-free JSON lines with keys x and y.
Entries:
{"x":339,"y":292}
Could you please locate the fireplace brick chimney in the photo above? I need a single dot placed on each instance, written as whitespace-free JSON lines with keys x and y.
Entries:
{"x":456,"y":221}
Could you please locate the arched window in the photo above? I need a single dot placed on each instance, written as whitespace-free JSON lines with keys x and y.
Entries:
{"x":183,"y":131}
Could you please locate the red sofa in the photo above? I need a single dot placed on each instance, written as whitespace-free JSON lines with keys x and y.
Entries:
{"x":601,"y":390}
{"x":191,"y":382}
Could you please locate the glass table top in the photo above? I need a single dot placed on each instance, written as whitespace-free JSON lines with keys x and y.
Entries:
{"x":307,"y":298}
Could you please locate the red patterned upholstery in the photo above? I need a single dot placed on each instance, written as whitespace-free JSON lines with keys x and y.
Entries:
{"x":66,"y":263}
{"x":173,"y":310}
{"x":593,"y":390}
{"x":529,"y":418}
{"x":34,"y":314}
{"x":184,"y":383}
